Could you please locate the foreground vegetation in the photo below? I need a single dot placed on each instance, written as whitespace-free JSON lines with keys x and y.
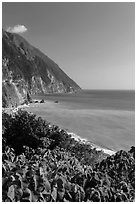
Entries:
{"x":42,"y":163}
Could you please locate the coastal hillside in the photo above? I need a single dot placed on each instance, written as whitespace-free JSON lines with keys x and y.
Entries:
{"x":43,"y":163}
{"x":26,"y":70}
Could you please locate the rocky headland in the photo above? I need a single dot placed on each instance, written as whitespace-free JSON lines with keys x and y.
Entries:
{"x":26,"y":70}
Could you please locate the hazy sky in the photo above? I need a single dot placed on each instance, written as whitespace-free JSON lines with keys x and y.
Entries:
{"x":92,"y":42}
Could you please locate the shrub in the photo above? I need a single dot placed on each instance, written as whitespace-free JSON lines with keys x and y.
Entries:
{"x":57,"y":176}
{"x":23,"y":129}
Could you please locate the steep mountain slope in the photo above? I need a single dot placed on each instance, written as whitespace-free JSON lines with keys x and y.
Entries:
{"x":26,"y":70}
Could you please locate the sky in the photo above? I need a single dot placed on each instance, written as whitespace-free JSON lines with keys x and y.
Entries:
{"x":92,"y":42}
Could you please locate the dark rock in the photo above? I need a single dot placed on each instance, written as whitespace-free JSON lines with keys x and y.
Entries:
{"x":42,"y":101}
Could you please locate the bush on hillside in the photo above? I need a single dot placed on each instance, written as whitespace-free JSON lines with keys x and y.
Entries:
{"x":22,"y":129}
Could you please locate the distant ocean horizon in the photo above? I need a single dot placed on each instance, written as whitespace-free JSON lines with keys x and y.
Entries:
{"x":104,"y":117}
{"x":95,"y":99}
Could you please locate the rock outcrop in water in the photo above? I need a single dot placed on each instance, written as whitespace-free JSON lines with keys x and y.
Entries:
{"x":26,"y":70}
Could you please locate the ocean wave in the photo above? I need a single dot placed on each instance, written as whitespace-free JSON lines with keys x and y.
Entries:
{"x":85,"y":141}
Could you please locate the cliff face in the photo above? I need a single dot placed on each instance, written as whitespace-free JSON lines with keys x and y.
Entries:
{"x":26,"y":70}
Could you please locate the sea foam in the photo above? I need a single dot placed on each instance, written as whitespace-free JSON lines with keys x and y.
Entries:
{"x":85,"y":141}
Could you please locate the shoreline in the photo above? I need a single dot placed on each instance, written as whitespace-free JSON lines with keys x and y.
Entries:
{"x":85,"y":141}
{"x":72,"y":134}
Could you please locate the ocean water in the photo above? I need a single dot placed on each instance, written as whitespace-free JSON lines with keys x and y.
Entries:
{"x":106,"y":118}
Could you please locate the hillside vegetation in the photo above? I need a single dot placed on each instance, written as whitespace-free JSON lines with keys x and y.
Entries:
{"x":42,"y":163}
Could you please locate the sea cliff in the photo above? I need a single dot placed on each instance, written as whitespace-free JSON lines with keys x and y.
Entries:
{"x":26,"y":70}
